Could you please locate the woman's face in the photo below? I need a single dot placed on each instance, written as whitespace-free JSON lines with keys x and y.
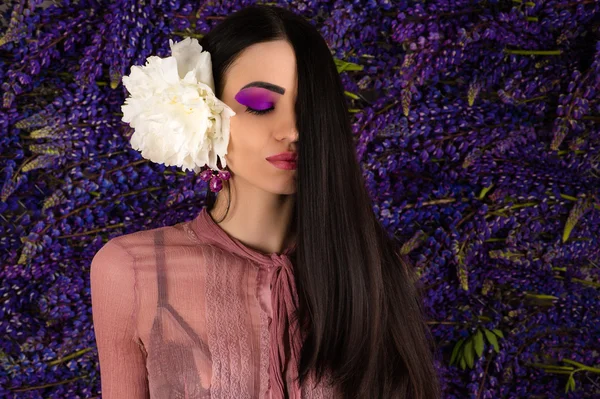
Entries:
{"x":263,"y":79}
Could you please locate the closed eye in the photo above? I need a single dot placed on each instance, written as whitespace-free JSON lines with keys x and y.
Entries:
{"x":259,"y":112}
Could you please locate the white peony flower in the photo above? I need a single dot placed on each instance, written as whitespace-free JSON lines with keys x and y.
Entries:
{"x":177,"y":118}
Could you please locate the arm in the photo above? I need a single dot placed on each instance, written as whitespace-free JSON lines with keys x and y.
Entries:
{"x":122,"y":361}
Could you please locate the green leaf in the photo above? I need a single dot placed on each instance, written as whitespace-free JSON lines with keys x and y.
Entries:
{"x":343,"y":66}
{"x":570,"y":384}
{"x":582,"y":206}
{"x":498,"y":332}
{"x":462,"y":362}
{"x":479,"y":344}
{"x":541,"y":296}
{"x":351,"y":95}
{"x":469,"y":353}
{"x":484,"y":191}
{"x":553,"y":367}
{"x":491,"y":337}
{"x":455,"y":351}
{"x":574,"y":363}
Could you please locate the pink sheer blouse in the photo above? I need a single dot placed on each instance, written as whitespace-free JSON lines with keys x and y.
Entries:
{"x":188,"y":311}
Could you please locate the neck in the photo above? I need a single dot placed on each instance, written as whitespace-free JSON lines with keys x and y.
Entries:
{"x":259,"y":219}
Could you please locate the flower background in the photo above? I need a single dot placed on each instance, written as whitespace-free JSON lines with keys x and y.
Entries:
{"x":477,"y":124}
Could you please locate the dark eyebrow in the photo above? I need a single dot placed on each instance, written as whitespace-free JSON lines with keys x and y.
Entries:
{"x":265,"y":85}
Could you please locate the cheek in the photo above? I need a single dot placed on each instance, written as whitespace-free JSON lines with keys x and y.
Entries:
{"x":247,"y":142}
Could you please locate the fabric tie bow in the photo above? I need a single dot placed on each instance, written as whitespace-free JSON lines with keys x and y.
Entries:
{"x":284,"y":299}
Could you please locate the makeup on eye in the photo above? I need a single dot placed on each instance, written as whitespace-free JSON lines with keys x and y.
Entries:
{"x":257,"y":99}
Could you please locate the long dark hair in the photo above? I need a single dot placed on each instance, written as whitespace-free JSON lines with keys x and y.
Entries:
{"x":360,"y":305}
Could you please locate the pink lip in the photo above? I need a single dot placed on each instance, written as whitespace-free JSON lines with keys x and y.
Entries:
{"x":287,"y":165}
{"x":284,"y":156}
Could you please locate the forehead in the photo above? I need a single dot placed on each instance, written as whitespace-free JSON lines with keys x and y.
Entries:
{"x":273,"y":62}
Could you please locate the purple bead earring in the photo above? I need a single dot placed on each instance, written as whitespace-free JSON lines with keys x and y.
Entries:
{"x":214,"y":177}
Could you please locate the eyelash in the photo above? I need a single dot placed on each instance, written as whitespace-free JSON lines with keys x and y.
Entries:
{"x":259,"y":112}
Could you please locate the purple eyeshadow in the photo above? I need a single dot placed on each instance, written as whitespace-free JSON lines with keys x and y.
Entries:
{"x":255,"y":98}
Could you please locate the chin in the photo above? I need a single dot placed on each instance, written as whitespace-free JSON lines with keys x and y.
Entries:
{"x":287,"y":188}
{"x":286,"y":191}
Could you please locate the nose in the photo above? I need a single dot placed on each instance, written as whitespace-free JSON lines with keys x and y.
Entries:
{"x":290,"y":133}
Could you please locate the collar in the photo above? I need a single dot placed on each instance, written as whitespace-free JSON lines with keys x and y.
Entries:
{"x":284,"y":328}
{"x":205,"y":227}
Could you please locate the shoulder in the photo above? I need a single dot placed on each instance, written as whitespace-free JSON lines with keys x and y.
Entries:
{"x":143,"y":242}
{"x":113,"y":249}
{"x":139,"y":249}
{"x":112,"y":261}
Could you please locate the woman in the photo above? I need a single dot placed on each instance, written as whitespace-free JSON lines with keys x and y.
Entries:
{"x":213,"y":307}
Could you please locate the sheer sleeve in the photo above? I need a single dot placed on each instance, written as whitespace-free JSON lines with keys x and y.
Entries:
{"x":122,"y":360}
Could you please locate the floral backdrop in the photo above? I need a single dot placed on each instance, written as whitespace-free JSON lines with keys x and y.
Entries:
{"x":477,"y":125}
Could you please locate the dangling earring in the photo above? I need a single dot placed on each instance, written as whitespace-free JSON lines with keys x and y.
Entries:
{"x":214,"y":178}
